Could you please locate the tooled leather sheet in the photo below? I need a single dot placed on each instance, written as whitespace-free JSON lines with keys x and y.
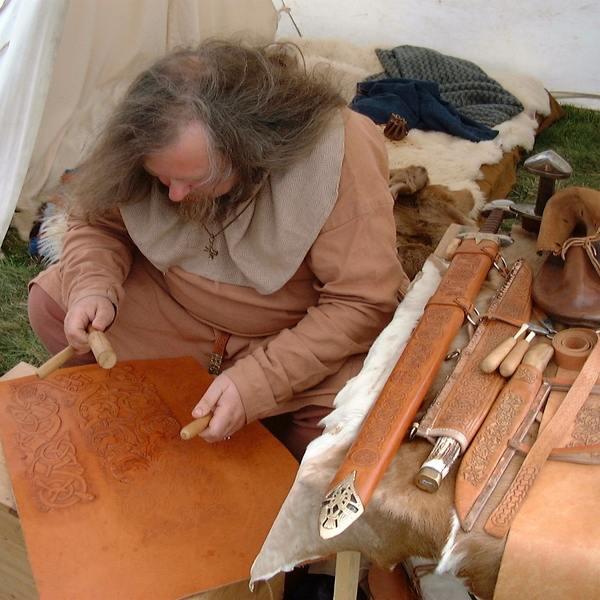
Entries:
{"x":553,"y":547}
{"x":114,"y":504}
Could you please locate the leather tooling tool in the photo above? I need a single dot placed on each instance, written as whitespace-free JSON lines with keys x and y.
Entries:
{"x":394,"y":410}
{"x":509,"y":420}
{"x":462,"y":404}
{"x":492,"y":361}
{"x":100,"y":346}
{"x":195,"y":427}
{"x":513,"y":359}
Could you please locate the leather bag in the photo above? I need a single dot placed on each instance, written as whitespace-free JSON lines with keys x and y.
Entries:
{"x":567,"y":286}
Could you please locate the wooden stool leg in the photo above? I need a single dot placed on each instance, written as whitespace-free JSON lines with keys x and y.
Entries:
{"x":346,"y":575}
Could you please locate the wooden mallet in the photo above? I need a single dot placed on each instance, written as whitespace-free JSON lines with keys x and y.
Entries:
{"x":103,"y":351}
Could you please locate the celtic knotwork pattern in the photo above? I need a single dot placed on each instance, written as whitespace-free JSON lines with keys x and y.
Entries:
{"x":491,"y":438}
{"x":463,"y":400}
{"x":507,"y":508}
{"x":48,"y":451}
{"x":513,"y":304}
{"x":459,"y":275}
{"x":587,"y":423}
{"x":125,"y":422}
{"x":341,"y":507}
{"x":396,"y":393}
{"x":526,"y":373}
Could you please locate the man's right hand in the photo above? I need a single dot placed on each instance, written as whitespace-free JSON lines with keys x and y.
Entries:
{"x":97,"y":311}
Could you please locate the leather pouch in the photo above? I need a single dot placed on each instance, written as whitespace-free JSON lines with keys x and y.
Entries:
{"x":567,"y":287}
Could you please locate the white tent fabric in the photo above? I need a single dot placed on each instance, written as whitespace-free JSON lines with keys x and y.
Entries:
{"x":30,"y":31}
{"x":67,"y":63}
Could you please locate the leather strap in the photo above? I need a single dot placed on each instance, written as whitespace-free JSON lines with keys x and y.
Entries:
{"x":216,"y":358}
{"x":500,"y":520}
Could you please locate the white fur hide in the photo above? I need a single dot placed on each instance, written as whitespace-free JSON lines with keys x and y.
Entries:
{"x":449,"y":160}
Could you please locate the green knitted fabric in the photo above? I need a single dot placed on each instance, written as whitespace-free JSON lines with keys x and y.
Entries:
{"x":461,"y":83}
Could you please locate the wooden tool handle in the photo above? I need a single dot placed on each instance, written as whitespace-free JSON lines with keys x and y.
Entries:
{"x":539,"y":356}
{"x":195,"y":427}
{"x":513,"y":359}
{"x":103,"y":351}
{"x":490,"y":363}
{"x":57,"y":361}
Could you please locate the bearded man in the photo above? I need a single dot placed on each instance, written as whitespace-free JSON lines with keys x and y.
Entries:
{"x":232,"y":205}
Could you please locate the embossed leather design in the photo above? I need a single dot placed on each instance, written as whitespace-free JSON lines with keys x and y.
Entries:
{"x":114,"y":504}
{"x":394,"y":411}
{"x":492,"y":439}
{"x":553,"y":547}
{"x":464,"y":401}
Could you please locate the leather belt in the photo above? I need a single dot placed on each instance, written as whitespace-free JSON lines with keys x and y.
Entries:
{"x":216,"y":358}
{"x":572,"y":347}
{"x":500,"y":520}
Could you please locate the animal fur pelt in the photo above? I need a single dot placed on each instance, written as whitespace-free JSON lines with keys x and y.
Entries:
{"x":423,"y":213}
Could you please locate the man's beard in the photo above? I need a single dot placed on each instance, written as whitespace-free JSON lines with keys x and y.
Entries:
{"x":202,"y":208}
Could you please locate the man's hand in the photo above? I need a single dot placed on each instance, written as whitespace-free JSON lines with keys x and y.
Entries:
{"x":97,"y":311}
{"x":223,"y":400}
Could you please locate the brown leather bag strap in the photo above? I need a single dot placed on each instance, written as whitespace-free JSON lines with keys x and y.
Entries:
{"x":500,"y":520}
{"x":216,"y":358}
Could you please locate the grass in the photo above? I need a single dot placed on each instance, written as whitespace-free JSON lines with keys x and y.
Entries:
{"x":17,"y":341}
{"x":574,"y":137}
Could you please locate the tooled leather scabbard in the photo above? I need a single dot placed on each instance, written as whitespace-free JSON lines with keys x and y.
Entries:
{"x":465,"y":399}
{"x":462,"y":404}
{"x":485,"y":460}
{"x":394,"y":410}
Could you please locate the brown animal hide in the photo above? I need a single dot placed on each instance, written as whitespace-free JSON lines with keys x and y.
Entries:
{"x":423,"y":213}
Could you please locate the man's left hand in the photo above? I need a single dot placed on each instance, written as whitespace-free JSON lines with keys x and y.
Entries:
{"x":224,"y":401}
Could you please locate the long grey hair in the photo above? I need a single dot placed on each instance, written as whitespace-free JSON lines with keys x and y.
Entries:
{"x":260,"y":108}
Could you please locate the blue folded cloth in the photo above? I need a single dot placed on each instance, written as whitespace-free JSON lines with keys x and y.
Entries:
{"x":420,"y":103}
{"x":465,"y":85}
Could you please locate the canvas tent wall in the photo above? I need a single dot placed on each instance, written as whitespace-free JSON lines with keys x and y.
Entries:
{"x":63,"y":63}
{"x":556,"y":41}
